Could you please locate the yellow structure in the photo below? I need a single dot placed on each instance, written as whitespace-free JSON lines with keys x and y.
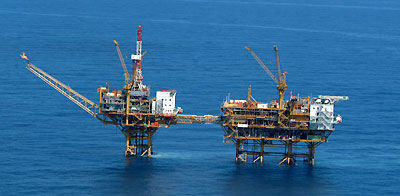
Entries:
{"x":263,"y":129}
{"x":258,"y":129}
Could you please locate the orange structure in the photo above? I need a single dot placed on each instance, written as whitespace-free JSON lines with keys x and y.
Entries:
{"x":257,"y":129}
{"x":278,"y":128}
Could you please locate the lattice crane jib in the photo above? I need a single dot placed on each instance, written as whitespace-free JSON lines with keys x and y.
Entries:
{"x":280,"y":79}
{"x":83,"y":102}
{"x":121,"y":58}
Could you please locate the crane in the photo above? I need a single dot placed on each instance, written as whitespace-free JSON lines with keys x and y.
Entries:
{"x":281,"y":81}
{"x":83,"y":102}
{"x":121,"y":58}
{"x":126,"y":73}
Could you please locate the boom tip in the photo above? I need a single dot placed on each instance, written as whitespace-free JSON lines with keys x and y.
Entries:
{"x":23,"y":56}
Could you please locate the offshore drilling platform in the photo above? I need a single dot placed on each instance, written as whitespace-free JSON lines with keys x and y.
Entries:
{"x":299,"y":123}
{"x":279,"y":128}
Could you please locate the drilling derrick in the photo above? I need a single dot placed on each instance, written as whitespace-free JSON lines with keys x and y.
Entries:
{"x":138,"y":115}
{"x":137,"y":85}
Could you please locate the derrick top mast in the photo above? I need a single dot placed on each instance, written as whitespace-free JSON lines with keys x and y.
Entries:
{"x":139,"y":41}
{"x":137,"y":84}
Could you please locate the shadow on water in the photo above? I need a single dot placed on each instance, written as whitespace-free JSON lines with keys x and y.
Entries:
{"x":149,"y":176}
{"x":137,"y":172}
{"x":259,"y":179}
{"x":141,"y":176}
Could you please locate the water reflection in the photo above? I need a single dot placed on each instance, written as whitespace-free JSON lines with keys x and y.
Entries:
{"x":275,"y":180}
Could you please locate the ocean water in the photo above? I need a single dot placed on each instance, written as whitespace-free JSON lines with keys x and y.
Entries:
{"x":49,"y":146}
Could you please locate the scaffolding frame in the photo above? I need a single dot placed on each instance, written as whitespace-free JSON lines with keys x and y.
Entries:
{"x":255,"y":128}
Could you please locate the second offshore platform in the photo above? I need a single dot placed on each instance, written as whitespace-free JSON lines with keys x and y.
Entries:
{"x":289,"y":129}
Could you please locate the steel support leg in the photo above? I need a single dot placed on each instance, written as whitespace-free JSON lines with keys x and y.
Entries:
{"x":289,"y":157}
{"x":139,"y":143}
{"x":130,"y":149}
{"x":149,"y":143}
{"x":237,"y":150}
{"x":262,"y":152}
{"x":311,"y":153}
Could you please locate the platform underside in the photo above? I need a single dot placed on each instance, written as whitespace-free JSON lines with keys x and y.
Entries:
{"x":254,"y":144}
{"x":139,"y":140}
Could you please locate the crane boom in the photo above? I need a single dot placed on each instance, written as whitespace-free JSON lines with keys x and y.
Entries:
{"x":65,"y":90}
{"x":121,"y":58}
{"x":278,"y":63}
{"x":262,"y":64}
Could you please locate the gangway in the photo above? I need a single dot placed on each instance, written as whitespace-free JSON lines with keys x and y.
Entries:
{"x":194,"y":119}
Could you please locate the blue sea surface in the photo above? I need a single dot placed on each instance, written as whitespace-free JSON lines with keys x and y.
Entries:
{"x":49,"y":146}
